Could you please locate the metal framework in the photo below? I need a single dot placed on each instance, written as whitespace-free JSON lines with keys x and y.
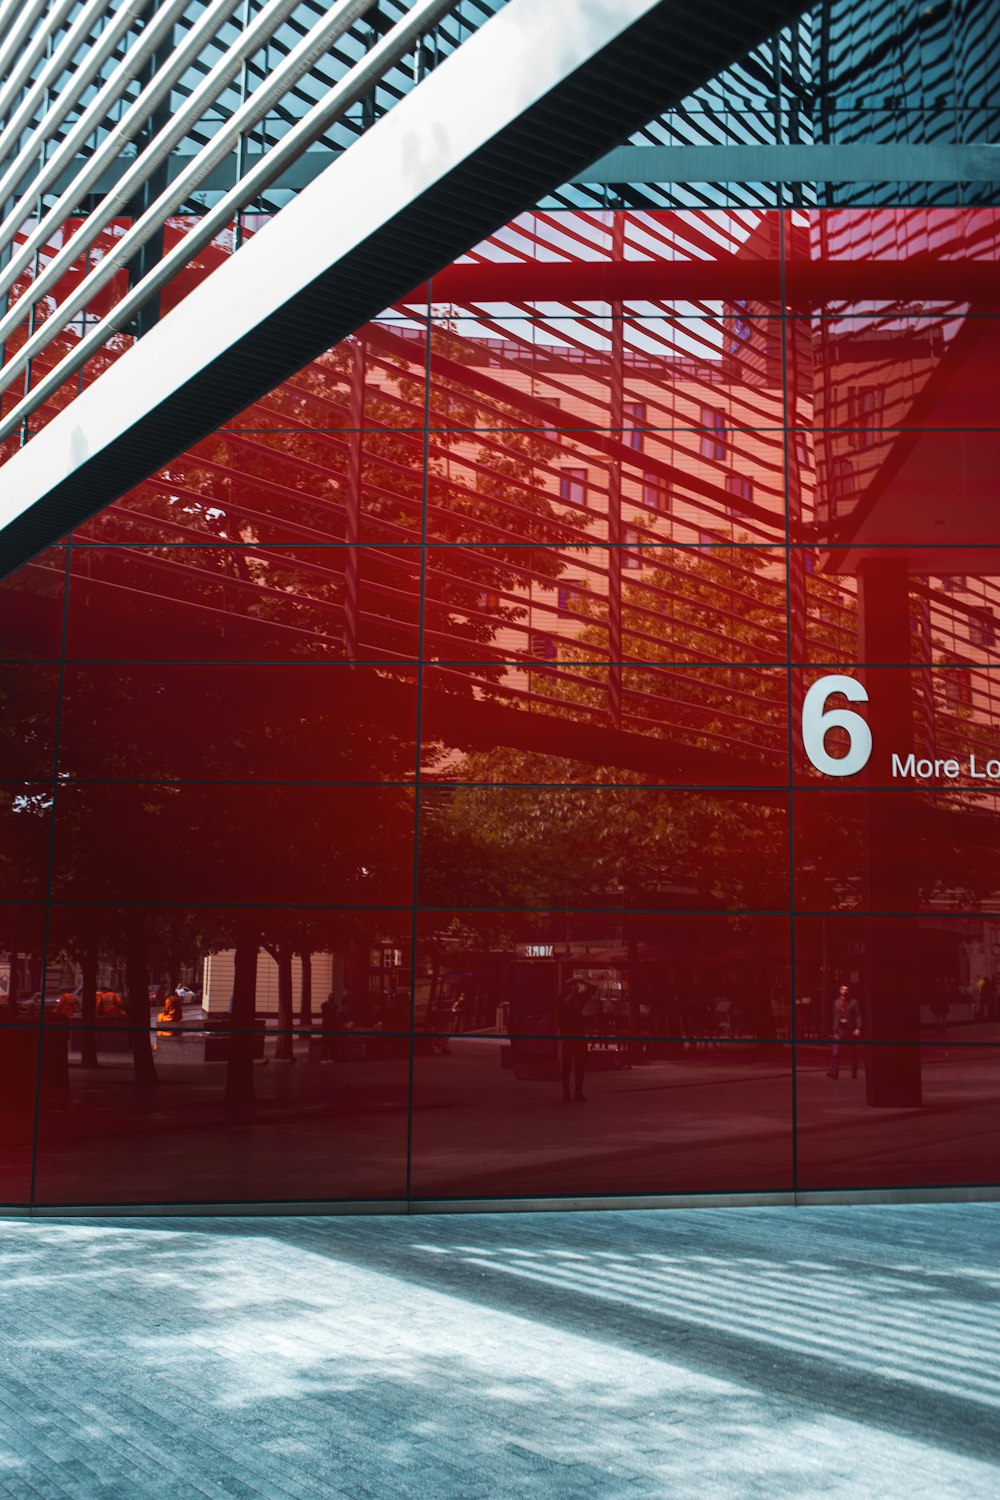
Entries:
{"x":454,"y":157}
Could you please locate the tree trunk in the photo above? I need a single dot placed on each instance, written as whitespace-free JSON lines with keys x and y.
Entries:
{"x":239,"y":1070}
{"x":432,"y":1021}
{"x":306,"y":999}
{"x":137,"y":1006}
{"x":88,"y":1006}
{"x":284,"y":1050}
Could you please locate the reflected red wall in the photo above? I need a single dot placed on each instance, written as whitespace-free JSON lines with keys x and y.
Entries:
{"x":435,"y":729}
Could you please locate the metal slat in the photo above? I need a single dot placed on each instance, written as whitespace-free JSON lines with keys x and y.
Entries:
{"x":352,"y":87}
{"x":109,"y":150}
{"x":124,"y":19}
{"x":32,"y":53}
{"x":59,"y":62}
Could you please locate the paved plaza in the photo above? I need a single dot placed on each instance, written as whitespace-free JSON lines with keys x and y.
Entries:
{"x":849,"y":1351}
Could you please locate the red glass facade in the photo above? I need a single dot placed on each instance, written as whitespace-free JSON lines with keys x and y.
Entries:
{"x":438,"y":733}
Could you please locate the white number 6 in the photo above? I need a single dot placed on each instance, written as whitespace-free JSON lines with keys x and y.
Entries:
{"x":817,"y":720}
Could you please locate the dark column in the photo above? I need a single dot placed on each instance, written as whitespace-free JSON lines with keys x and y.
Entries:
{"x":615,"y":532}
{"x":352,"y":529}
{"x":239,"y":1072}
{"x":137,"y":1001}
{"x":891,"y":999}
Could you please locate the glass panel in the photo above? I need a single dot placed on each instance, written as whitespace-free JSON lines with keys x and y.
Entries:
{"x":25,"y":822}
{"x":937,"y":1127}
{"x":27,"y":720}
{"x":603,"y":847}
{"x":865,"y":485}
{"x":897,"y":851}
{"x":288,"y":845}
{"x":294,"y":721}
{"x":21,"y":1056}
{"x":22,"y":943}
{"x":326,"y":969}
{"x":896,"y":260}
{"x":566,"y":722}
{"x":276,"y":488}
{"x":932,"y":606}
{"x":586,"y":261}
{"x":242,"y":603}
{"x":490,"y":1120}
{"x":547,"y":485}
{"x":31,"y":608}
{"x":234,"y":1120}
{"x":864,"y":374}
{"x":662,"y":985}
{"x":641,"y":603}
{"x":931,"y":977}
{"x":932,"y":726}
{"x":497,"y":370}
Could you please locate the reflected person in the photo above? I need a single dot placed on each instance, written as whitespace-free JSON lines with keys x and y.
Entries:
{"x":846,"y":1031}
{"x":570,"y":1017}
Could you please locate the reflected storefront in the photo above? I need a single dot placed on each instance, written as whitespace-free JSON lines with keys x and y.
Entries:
{"x":404,"y":794}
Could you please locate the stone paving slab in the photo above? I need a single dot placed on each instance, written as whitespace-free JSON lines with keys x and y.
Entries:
{"x":832,"y":1352}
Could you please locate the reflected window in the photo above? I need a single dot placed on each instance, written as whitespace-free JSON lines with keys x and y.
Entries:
{"x":573,"y":486}
{"x":713,"y":439}
{"x":841,"y":483}
{"x":864,"y":411}
{"x":632,"y":560}
{"x":541,"y":646}
{"x":741,"y":489}
{"x":982,"y":628}
{"x":958,"y":687}
{"x":634,"y":424}
{"x":656,"y":494}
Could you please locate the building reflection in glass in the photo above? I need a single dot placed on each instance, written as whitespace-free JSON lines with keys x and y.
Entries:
{"x":467,"y":667}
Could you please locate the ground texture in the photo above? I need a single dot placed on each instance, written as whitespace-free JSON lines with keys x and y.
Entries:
{"x":710,"y":1354}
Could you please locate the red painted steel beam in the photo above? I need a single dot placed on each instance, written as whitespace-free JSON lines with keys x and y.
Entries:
{"x":806,"y":284}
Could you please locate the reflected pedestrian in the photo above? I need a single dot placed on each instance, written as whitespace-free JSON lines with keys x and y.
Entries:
{"x":570,"y":1019}
{"x":846,"y":1031}
{"x":329,"y":1017}
{"x":171,"y":1017}
{"x":66,"y":1006}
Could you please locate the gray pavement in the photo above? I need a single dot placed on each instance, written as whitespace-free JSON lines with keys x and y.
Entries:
{"x":707,"y":1353}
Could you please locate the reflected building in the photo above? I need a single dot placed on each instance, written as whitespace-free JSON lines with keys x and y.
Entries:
{"x":471,"y":661}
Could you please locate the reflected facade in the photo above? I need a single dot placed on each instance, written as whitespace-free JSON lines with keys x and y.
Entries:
{"x":409,"y":794}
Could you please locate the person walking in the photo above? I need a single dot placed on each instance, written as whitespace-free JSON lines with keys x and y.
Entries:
{"x":329,"y":1022}
{"x":846,"y":1031}
{"x":572,"y":1039}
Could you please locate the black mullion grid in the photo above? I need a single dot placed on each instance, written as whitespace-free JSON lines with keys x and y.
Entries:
{"x":50,"y":872}
{"x":420,"y":667}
